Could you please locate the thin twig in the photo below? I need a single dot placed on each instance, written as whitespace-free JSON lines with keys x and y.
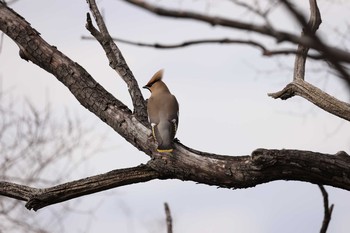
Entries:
{"x":117,"y":61}
{"x":280,"y":36}
{"x":264,"y":50}
{"x":327,"y":210}
{"x":169,"y":220}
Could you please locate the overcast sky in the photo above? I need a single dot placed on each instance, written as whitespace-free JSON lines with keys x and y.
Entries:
{"x":224,"y":109}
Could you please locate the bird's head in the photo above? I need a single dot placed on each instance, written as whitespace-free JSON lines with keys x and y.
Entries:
{"x":155,"y":81}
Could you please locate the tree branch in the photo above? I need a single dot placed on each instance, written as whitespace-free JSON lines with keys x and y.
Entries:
{"x":264,"y":50}
{"x":262,"y":166}
{"x":184,"y":163}
{"x":327,"y":210}
{"x":280,"y":36}
{"x":309,"y":29}
{"x":299,"y":86}
{"x":16,"y":191}
{"x":117,"y":61}
{"x":187,"y":164}
{"x":86,"y":90}
{"x":316,"y":96}
{"x":169,"y":220}
{"x":39,"y":198}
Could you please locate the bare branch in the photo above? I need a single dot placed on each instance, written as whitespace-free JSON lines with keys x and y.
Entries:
{"x":86,"y":90}
{"x":299,"y":86}
{"x":169,"y":220}
{"x":264,"y":50}
{"x":255,"y":9}
{"x":33,"y":145}
{"x":310,"y":29}
{"x":280,"y":36}
{"x":316,"y":96}
{"x":117,"y":61}
{"x":39,"y":198}
{"x":188,"y":164}
{"x":16,"y":191}
{"x":327,"y":210}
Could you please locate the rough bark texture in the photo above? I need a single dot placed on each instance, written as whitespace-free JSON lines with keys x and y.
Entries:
{"x":117,"y":62}
{"x":316,"y":96}
{"x":38,"y":198}
{"x":262,"y":166}
{"x":184,"y":163}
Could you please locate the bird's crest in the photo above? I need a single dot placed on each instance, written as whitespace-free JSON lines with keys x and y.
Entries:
{"x":156,"y":77}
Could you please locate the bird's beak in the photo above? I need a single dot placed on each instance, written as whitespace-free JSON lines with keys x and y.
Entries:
{"x":146,"y":87}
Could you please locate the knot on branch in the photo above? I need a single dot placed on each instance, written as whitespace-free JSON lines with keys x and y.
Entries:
{"x":286,"y":93}
{"x":23,"y":55}
{"x":343,"y":155}
{"x":257,"y":153}
{"x":263,"y":158}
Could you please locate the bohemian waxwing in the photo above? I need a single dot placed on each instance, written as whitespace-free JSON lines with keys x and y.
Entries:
{"x":163,"y":112}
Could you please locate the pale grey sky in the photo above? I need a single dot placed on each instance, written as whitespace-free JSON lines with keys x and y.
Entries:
{"x":224,"y":108}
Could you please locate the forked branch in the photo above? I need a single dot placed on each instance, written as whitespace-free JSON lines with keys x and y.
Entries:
{"x":299,"y":86}
{"x":117,"y":61}
{"x":309,"y":29}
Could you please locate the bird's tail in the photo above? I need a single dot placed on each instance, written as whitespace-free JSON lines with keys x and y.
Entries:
{"x":165,"y":137}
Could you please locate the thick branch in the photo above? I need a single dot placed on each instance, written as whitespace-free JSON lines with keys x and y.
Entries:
{"x":39,"y":198}
{"x":117,"y":61}
{"x":187,"y":164}
{"x":316,"y":96}
{"x":262,"y":166}
{"x":85,"y":89}
{"x":280,"y":36}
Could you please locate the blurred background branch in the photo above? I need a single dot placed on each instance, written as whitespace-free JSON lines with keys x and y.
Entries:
{"x":39,"y":148}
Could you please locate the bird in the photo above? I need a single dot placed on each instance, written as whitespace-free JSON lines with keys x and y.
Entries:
{"x":163,"y":113}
